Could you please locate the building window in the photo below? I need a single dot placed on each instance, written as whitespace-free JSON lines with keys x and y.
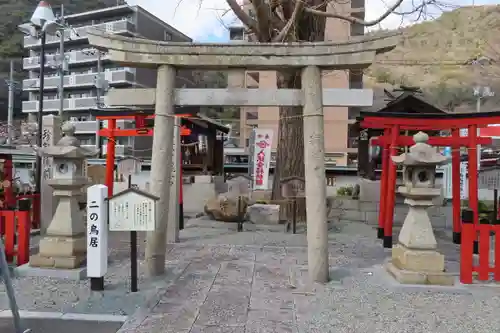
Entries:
{"x":236,"y":33}
{"x":251,"y":115}
{"x":166,"y":36}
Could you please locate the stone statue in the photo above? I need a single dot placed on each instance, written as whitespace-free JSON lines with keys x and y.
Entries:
{"x":415,"y":259}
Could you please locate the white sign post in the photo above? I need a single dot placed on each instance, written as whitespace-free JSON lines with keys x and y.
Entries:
{"x":132,"y":210}
{"x":97,"y":235}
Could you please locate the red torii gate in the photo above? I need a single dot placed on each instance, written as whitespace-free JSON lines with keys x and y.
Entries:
{"x":111,"y":132}
{"x":393,"y":123}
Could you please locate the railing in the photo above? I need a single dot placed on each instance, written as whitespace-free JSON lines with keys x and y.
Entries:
{"x":51,"y":105}
{"x":476,"y":239}
{"x":81,"y":80}
{"x":119,"y":26}
{"x":73,"y":57}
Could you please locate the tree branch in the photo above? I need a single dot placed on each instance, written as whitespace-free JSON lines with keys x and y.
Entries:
{"x":263,"y":13}
{"x":283,"y":34}
{"x":242,"y":16}
{"x":355,"y":20}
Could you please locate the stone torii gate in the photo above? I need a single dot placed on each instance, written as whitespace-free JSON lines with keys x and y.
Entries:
{"x":311,"y":58}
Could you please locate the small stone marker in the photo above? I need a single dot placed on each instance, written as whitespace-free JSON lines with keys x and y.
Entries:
{"x":97,"y":235}
{"x":240,"y":185}
{"x":220,"y":186}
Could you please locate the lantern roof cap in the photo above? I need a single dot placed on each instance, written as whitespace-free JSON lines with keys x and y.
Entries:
{"x":421,"y":153}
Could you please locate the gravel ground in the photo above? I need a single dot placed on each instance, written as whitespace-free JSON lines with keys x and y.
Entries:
{"x":67,"y":296}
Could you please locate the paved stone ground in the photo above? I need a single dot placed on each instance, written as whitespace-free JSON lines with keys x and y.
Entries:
{"x":219,"y":280}
{"x":61,"y":326}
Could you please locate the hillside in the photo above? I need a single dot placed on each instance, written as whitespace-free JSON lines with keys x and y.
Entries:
{"x":438,"y":55}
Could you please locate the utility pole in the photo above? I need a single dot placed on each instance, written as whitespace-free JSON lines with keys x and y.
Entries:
{"x":10,"y":112}
{"x":480,"y":93}
{"x":99,"y":86}
{"x":62,"y":60}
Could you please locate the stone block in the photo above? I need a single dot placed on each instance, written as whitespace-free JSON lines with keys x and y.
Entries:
{"x":220,"y":185}
{"x":412,"y":277}
{"x":62,"y":246}
{"x":371,"y":218}
{"x":264,"y":214}
{"x":260,"y":195}
{"x":347,"y":203}
{"x":203,"y":179}
{"x":369,"y":206}
{"x":66,"y":274}
{"x":40,"y":261}
{"x":69,"y":262}
{"x":417,"y":260}
{"x":369,"y":190}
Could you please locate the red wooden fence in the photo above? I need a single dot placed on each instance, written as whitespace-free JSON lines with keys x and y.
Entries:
{"x":15,"y":226}
{"x":473,"y":234}
{"x":35,"y":208}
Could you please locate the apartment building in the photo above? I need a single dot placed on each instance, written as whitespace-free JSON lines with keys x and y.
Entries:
{"x":80,"y":91}
{"x":340,"y":145}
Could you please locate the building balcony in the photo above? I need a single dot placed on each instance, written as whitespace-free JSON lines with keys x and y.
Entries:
{"x":113,"y":27}
{"x":120,"y":150}
{"x":84,"y":56}
{"x":90,"y":126}
{"x":70,"y":104}
{"x":119,"y":76}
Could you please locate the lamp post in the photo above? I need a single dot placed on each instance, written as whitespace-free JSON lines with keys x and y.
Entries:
{"x":43,"y":14}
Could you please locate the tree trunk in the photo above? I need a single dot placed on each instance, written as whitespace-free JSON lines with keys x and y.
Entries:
{"x":290,"y":148}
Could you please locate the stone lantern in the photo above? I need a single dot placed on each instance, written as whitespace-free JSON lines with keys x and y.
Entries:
{"x":64,"y":246}
{"x":415,"y":259}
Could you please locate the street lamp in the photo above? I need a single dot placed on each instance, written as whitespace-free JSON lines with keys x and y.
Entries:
{"x":42,"y":19}
{"x":481,"y":92}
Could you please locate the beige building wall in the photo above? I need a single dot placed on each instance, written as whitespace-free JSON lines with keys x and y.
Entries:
{"x":336,"y":118}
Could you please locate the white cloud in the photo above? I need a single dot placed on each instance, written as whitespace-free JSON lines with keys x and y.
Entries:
{"x":196,"y":18}
{"x":200,"y":19}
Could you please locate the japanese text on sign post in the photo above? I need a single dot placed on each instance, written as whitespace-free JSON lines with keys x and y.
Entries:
{"x":262,"y":158}
{"x":97,"y":233}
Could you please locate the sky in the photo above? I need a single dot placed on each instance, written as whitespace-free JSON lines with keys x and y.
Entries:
{"x":207,"y":20}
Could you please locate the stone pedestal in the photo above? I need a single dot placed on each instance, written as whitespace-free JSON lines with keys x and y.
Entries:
{"x":65,"y":243}
{"x":415,"y":259}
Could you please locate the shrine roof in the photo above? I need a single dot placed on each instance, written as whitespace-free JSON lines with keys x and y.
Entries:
{"x":441,"y":115}
{"x":136,"y":191}
{"x":409,"y":103}
{"x":195,"y":117}
{"x":11,"y":150}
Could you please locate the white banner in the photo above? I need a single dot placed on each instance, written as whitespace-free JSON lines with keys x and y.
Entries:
{"x":262,"y":158}
{"x":464,"y":188}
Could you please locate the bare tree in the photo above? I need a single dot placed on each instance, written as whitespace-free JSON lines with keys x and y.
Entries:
{"x":295,"y":21}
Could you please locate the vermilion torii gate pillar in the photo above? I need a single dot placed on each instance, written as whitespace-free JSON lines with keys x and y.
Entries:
{"x":311,"y":58}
